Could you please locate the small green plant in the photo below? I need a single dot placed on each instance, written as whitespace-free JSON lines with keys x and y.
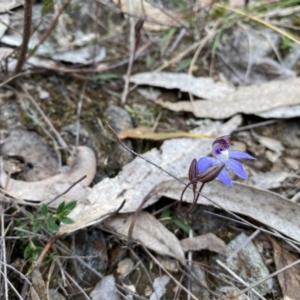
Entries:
{"x":167,"y":217}
{"x":43,"y":220}
{"x":286,"y":43}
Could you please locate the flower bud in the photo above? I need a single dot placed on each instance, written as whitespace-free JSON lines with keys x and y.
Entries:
{"x":211,"y":173}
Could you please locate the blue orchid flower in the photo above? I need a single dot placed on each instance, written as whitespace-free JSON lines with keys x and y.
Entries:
{"x":222,"y":155}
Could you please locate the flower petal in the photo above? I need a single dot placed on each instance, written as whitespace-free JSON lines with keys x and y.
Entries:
{"x":204,"y":163}
{"x":224,"y":177}
{"x":236,"y":167}
{"x":237,"y":154}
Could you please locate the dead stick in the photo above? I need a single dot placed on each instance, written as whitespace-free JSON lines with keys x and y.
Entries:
{"x":26,"y":34}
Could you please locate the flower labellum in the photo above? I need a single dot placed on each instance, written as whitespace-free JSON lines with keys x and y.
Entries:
{"x":222,"y":155}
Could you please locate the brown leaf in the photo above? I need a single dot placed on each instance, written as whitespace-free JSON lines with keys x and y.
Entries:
{"x":207,"y":241}
{"x":289,"y":280}
{"x":38,"y":289}
{"x":147,"y":134}
{"x":150,"y":233}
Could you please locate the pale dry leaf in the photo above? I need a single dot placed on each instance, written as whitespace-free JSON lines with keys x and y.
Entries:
{"x":85,"y":55}
{"x":207,"y":241}
{"x":202,"y":87}
{"x":269,"y":180}
{"x":289,"y":280}
{"x":252,"y":99}
{"x":144,"y":10}
{"x":248,"y":264}
{"x":263,"y":206}
{"x":269,"y":143}
{"x":4,"y":23}
{"x":159,"y":285}
{"x":105,"y":289}
{"x":281,"y":112}
{"x":168,"y":263}
{"x":150,"y":233}
{"x":6,"y":5}
{"x":4,"y":53}
{"x":125,"y":266}
{"x":138,"y":178}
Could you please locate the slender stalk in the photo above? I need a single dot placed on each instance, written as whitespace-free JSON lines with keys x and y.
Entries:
{"x":26,"y":35}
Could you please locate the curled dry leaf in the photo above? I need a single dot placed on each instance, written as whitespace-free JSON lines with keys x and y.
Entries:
{"x":252,"y":99}
{"x":150,"y":233}
{"x":47,"y":189}
{"x":207,"y":241}
{"x":138,"y":178}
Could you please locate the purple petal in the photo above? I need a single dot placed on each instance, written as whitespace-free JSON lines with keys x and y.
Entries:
{"x":237,"y":154}
{"x":204,"y":163}
{"x":224,"y":177}
{"x":236,"y":167}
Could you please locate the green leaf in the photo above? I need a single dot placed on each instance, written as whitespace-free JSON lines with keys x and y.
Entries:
{"x":66,"y":220}
{"x":181,"y":224}
{"x":36,"y":253}
{"x":28,"y":251}
{"x":106,"y":76}
{"x":61,"y":208}
{"x":51,"y":225}
{"x":183,"y":64}
{"x":165,"y":213}
{"x":69,"y":207}
{"x":36,"y":225}
{"x":44,"y":210}
{"x":47,"y":7}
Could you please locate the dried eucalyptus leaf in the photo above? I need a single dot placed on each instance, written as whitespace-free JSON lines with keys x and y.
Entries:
{"x":263,"y":206}
{"x":207,"y":241}
{"x":150,"y":233}
{"x":202,"y":87}
{"x":252,"y":99}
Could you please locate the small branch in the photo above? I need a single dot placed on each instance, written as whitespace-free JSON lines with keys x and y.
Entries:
{"x":26,"y":35}
{"x":134,"y":40}
{"x":135,"y":216}
{"x":68,"y":189}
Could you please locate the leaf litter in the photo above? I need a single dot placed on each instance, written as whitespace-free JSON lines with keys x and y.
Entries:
{"x":158,"y":189}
